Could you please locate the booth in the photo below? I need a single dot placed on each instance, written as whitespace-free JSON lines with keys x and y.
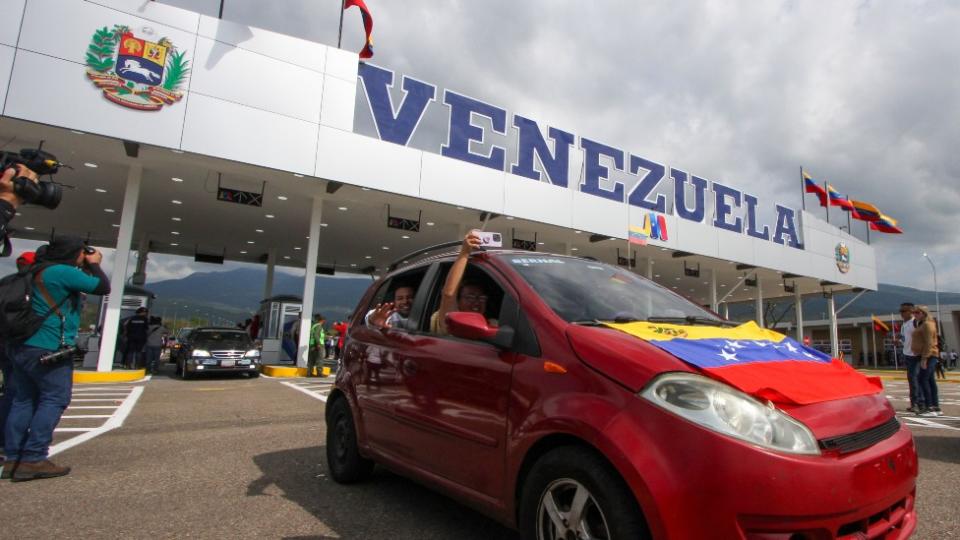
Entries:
{"x":133,"y":299}
{"x":279,"y":320}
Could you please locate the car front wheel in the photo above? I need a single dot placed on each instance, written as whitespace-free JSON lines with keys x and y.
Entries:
{"x":572,"y":493}
{"x":344,"y":461}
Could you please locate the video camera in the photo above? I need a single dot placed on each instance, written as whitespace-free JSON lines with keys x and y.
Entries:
{"x":62,"y":354}
{"x":46,"y":194}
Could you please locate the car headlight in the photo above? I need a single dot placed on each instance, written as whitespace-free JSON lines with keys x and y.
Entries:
{"x":252,"y":353}
{"x":200,"y":353}
{"x":721,"y":408}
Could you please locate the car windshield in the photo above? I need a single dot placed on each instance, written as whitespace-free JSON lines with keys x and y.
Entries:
{"x":217,"y":339}
{"x":584,"y":291}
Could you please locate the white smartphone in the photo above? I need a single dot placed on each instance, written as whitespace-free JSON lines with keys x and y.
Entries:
{"x":490,"y":239}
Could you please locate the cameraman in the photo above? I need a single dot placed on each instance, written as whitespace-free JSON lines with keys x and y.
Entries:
{"x":10,"y":200}
{"x":43,"y":388}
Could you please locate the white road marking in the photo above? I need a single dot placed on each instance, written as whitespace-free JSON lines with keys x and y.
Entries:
{"x":114,"y":421}
{"x":314,"y":395}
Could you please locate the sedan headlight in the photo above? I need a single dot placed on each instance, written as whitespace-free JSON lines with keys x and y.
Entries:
{"x":252,"y":353}
{"x":200,"y":353}
{"x":721,"y":408}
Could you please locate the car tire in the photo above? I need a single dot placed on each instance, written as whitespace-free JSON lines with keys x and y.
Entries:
{"x":254,"y":374}
{"x":571,"y":474}
{"x":344,"y":461}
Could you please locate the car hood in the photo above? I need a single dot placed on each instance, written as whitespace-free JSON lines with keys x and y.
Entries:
{"x":633,"y":362}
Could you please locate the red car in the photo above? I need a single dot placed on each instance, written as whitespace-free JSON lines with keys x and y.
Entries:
{"x":539,"y":415}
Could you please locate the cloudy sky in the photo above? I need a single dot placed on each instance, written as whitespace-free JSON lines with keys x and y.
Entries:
{"x":862,"y":94}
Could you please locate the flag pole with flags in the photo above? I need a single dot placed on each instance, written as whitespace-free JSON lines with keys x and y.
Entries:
{"x":343,"y":8}
{"x":803,"y":190}
{"x":367,"y":51}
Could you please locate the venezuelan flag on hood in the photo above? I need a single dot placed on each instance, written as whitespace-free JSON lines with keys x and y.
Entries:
{"x":760,"y":362}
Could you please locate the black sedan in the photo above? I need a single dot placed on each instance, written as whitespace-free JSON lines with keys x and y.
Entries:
{"x":218,"y":350}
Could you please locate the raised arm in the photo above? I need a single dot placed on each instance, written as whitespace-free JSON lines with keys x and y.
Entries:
{"x":448,"y":301}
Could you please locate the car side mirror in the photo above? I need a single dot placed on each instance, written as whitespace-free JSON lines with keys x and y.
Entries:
{"x":473,"y":326}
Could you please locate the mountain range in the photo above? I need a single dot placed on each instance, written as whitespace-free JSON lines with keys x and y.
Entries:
{"x":236,"y":294}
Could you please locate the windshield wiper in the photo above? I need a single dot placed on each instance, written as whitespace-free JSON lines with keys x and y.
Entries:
{"x":587,"y":322}
{"x":692,"y":319}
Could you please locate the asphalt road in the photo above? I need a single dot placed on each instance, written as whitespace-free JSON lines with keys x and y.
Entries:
{"x":243,"y":458}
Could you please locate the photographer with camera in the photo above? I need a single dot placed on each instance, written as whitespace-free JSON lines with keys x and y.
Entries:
{"x":42,"y":363}
{"x":11,"y":197}
{"x":20,"y":184}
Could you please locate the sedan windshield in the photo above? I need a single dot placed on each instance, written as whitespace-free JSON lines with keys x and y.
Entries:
{"x":584,"y":291}
{"x":217,"y":340}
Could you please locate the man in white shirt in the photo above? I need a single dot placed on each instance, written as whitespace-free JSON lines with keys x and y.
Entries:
{"x":905,"y":339}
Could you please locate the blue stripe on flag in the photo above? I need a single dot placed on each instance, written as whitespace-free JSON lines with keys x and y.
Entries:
{"x":708,"y":353}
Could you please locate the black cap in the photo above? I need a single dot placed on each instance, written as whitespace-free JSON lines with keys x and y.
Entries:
{"x":63,"y":248}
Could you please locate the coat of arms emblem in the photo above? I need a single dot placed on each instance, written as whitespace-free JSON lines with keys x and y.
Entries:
{"x":842,"y":255}
{"x":134,"y":72}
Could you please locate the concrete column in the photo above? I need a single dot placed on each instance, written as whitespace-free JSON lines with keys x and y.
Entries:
{"x":268,"y":283}
{"x":310,"y":282}
{"x":759,"y":303}
{"x":726,"y":310}
{"x":798,"y":312}
{"x":111,"y":322}
{"x":648,"y":271}
{"x":713,"y":290}
{"x":864,"y":344}
{"x":832,"y":313}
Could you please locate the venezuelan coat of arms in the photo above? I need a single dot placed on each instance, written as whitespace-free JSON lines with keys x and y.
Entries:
{"x":136,"y":73}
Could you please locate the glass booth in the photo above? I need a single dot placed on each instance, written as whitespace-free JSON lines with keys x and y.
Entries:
{"x":279,"y":328}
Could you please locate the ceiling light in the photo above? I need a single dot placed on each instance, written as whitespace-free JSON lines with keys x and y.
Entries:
{"x":116,"y":225}
{"x":365,"y":188}
{"x":100,"y":190}
{"x":175,"y":233}
{"x":342,"y":208}
{"x":174,"y":201}
{"x":429,"y":224}
{"x":91,"y":165}
{"x":663,"y":249}
{"x":678,"y":279}
{"x":298,"y":175}
{"x":510,"y":218}
{"x":385,"y":247}
{"x":674,"y":286}
{"x":174,"y":245}
{"x":282,"y":197}
{"x":269,"y":216}
{"x":574,"y":249}
{"x":175,"y":219}
{"x":576,"y":232}
{"x":28,"y":228}
{"x":656,"y":275}
{"x":722,"y":285}
{"x":243,"y":252}
{"x":109,"y":210}
{"x":539,"y":243}
{"x":175,"y":151}
{"x":691,"y":290}
{"x":175,"y":179}
{"x":405,"y":237}
{"x":368,"y":257}
{"x":259,"y":230}
{"x":77,"y":132}
{"x":296,"y":248}
{"x":249,"y":241}
{"x":286,"y":257}
{"x":353,"y":265}
{"x":459,"y":208}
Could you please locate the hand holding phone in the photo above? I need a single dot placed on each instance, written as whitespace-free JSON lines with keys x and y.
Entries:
{"x":490,"y":239}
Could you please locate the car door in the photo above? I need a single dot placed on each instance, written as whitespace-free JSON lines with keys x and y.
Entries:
{"x":458,"y":394}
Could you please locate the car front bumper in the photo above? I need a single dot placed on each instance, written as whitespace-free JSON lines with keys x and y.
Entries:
{"x":210,"y":368}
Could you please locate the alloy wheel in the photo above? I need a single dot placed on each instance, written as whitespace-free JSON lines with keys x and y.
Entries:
{"x":568,"y":511}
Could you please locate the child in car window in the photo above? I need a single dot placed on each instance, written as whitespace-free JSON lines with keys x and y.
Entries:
{"x":457,"y":296}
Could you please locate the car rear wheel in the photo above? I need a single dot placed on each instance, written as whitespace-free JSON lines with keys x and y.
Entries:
{"x":572,"y":493}
{"x":344,"y":461}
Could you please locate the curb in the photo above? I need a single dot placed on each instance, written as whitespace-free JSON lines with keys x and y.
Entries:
{"x":290,"y":372}
{"x":121,"y":375}
{"x":904,"y":378}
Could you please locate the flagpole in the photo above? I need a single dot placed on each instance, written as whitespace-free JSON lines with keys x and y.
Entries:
{"x":873,"y":329}
{"x":849,"y":230}
{"x":867,"y":223}
{"x":340,"y":31}
{"x":894,"y":343}
{"x":827,"y":206}
{"x":221,"y":10}
{"x":803,"y":190}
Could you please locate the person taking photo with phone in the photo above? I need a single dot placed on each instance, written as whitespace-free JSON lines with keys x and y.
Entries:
{"x":64,"y":270}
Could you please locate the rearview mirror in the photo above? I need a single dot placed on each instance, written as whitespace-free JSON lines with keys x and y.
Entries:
{"x":473,"y":326}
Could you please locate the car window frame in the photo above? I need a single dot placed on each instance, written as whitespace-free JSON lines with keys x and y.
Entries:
{"x":381,"y":293}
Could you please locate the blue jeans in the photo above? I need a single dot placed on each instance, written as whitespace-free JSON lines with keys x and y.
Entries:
{"x":913,"y":368}
{"x":153,"y":359}
{"x":43,"y":393}
{"x":927,"y":390}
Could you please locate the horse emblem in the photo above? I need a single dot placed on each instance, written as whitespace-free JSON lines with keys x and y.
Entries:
{"x":134,"y":72}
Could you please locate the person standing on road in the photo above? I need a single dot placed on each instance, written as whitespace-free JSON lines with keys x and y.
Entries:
{"x":24,"y":261}
{"x":156,"y":334}
{"x":317,"y":341}
{"x":136,"y":328}
{"x":925,"y":346}
{"x":43,"y":388}
{"x":905,"y":339}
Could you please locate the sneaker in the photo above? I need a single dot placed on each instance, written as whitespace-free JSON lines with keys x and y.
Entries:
{"x":926,"y":413}
{"x":936,"y":411}
{"x":6,"y":471}
{"x":912,"y":409}
{"x":37,"y":470}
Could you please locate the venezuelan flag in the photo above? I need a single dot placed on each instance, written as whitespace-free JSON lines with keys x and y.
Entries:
{"x":879,"y":325}
{"x":367,"y":51}
{"x":811,"y":186}
{"x":639,"y":235}
{"x":760,"y":362}
{"x":885,"y":224}
{"x":836,"y":199}
{"x":864,"y":211}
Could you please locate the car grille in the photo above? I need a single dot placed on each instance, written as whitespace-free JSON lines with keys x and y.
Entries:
{"x":845,"y":444}
{"x":888,"y":523}
{"x":227,"y":354}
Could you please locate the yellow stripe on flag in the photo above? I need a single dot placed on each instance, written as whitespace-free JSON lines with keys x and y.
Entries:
{"x":663,"y":332}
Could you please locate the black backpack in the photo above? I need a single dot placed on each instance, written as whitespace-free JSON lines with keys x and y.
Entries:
{"x":18,"y":321}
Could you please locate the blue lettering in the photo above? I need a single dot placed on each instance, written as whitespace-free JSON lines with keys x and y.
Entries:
{"x":395,"y":128}
{"x":531,"y":142}
{"x":680,"y":196}
{"x":594,"y":171}
{"x":722,"y":208}
{"x":646,"y":185}
{"x":463,"y":131}
{"x":751,"y":203}
{"x":786,"y":226}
